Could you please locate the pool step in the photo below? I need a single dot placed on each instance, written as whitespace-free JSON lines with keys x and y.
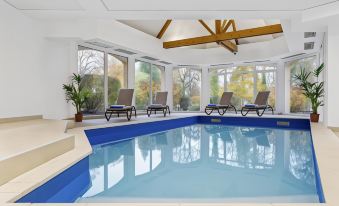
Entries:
{"x":28,"y":144}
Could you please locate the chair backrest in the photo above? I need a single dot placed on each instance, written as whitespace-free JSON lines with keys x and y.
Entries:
{"x":262,"y":98}
{"x":125,"y":97}
{"x":161,"y":98}
{"x":226,"y":98}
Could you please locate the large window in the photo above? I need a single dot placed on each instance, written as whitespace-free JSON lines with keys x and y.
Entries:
{"x":148,"y":81}
{"x":186,"y":89}
{"x":117,"y":76}
{"x":298,"y":102}
{"x":244,"y":81}
{"x":91,"y":66}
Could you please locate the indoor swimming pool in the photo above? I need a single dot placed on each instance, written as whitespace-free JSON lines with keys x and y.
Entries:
{"x":197,"y":162}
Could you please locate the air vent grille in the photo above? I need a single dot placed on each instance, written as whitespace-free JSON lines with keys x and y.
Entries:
{"x":125,"y":51}
{"x":99,"y":44}
{"x":164,"y":62}
{"x":308,"y":45}
{"x":295,"y":55}
{"x":150,"y":58}
{"x":309,"y":34}
{"x":186,"y":65}
{"x":259,"y":61}
{"x":217,"y":65}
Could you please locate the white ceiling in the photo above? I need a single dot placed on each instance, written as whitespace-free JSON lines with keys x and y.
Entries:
{"x":114,"y":5}
{"x":45,"y":4}
{"x":175,"y":5}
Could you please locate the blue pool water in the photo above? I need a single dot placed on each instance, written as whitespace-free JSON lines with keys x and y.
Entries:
{"x":205,"y":163}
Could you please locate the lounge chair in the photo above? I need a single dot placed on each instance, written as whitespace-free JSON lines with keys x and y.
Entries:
{"x":223,"y":106}
{"x":260,"y":103}
{"x":160,"y":104}
{"x":123,"y":106}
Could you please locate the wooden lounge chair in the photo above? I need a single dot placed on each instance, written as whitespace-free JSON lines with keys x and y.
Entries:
{"x":223,"y":106}
{"x":160,"y":104}
{"x":123,"y":106}
{"x":260,"y":103}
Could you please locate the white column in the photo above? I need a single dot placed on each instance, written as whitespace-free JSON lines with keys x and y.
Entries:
{"x":280,"y":89}
{"x":205,"y":88}
{"x":131,"y":75}
{"x":169,"y":85}
{"x":331,"y":109}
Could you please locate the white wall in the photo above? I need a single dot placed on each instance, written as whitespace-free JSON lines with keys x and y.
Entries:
{"x":21,"y":52}
{"x":331,"y":77}
{"x":60,"y":61}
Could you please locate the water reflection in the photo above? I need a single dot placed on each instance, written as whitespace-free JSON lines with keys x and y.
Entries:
{"x":233,"y":161}
{"x":189,"y":148}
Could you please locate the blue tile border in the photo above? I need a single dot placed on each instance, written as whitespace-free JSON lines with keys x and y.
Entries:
{"x":117,"y":133}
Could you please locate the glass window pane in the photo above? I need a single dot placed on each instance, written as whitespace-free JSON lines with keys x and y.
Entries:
{"x":91,"y":68}
{"x":298,"y":102}
{"x":142,"y":84}
{"x":241,"y":82}
{"x":217,"y":82}
{"x":186,"y":89}
{"x":157,"y":75}
{"x":266,"y":82}
{"x":117,"y":76}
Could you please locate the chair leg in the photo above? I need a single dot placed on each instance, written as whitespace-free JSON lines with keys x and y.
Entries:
{"x":148,"y":112}
{"x":242,"y":109}
{"x":108,"y":118}
{"x":135,"y":111}
{"x":223,"y":111}
{"x":260,"y":114}
{"x":235,"y":109}
{"x":208,"y":111}
{"x":169,"y":111}
{"x":129,"y":114}
{"x":164,"y":111}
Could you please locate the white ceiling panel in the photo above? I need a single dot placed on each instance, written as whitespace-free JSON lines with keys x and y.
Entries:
{"x":213,"y":5}
{"x":45,"y":4}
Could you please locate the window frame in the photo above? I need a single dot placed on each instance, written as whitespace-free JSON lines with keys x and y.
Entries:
{"x":162,"y":69}
{"x":255,"y":72}
{"x":194,"y":68}
{"x":106,"y":53}
{"x":288,"y":81}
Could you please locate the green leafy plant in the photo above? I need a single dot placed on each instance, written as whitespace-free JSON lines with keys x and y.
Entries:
{"x":312,"y":88}
{"x":75,"y":93}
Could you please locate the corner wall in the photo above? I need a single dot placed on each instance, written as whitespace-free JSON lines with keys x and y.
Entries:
{"x":20,"y":64}
{"x":331,"y":109}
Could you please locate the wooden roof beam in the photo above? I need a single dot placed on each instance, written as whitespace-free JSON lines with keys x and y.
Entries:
{"x":164,"y":28}
{"x":218,"y":26}
{"x":229,"y":23}
{"x":235,"y":29}
{"x":229,"y":46}
{"x":259,"y":31}
{"x":226,"y":44}
{"x":206,"y":27}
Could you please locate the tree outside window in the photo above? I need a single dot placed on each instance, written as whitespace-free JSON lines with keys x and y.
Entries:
{"x":186,"y":89}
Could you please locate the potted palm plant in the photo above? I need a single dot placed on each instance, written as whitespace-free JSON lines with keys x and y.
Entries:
{"x":312,"y":88}
{"x":77,"y":95}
